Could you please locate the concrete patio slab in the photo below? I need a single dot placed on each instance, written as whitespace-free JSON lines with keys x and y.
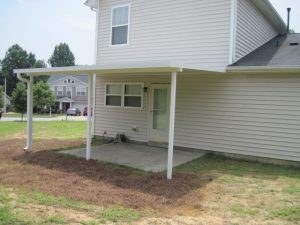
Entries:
{"x":137,"y":156}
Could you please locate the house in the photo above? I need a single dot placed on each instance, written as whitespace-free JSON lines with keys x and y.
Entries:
{"x":70,"y":91}
{"x":217,"y":75}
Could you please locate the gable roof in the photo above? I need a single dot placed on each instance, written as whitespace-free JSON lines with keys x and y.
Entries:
{"x":54,"y":78}
{"x":276,"y":52}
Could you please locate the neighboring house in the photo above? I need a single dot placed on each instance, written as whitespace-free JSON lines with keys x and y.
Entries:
{"x":216,"y":75}
{"x":70,"y":91}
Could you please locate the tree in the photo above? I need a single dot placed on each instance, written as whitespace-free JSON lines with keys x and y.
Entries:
{"x":40,"y":64}
{"x":43,"y":95}
{"x":16,"y":58}
{"x":1,"y":97}
{"x":19,"y":98}
{"x":62,"y":56}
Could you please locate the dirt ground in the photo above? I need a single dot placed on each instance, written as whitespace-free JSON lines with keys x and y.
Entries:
{"x":46,"y":171}
{"x":209,"y":197}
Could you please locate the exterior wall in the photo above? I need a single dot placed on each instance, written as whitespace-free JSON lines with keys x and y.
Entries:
{"x":255,"y":115}
{"x":191,"y":31}
{"x":121,"y":120}
{"x":252,"y":29}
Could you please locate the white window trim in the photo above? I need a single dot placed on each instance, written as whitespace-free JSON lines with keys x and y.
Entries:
{"x":77,"y":87}
{"x":123,"y":95}
{"x":111,"y":25}
{"x":71,"y":90}
{"x":62,"y":90}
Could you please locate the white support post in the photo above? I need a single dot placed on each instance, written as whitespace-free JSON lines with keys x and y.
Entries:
{"x":29,"y":114}
{"x":89,"y":118}
{"x":5,"y":104}
{"x":172,"y":125}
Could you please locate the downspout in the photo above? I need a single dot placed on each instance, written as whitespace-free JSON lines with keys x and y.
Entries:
{"x":29,"y":83}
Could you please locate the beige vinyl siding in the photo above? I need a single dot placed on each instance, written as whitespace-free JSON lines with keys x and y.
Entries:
{"x":252,"y":29}
{"x":190,"y":31}
{"x":115,"y":120}
{"x":257,"y":115}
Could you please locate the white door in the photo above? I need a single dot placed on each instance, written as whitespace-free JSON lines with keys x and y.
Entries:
{"x":159,"y":112}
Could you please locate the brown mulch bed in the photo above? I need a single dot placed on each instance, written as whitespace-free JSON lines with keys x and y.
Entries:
{"x":47,"y":171}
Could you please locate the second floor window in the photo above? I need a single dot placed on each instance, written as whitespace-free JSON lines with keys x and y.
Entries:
{"x":59,"y":91}
{"x":120,"y":25}
{"x":69,"y":91}
{"x":81,"y":91}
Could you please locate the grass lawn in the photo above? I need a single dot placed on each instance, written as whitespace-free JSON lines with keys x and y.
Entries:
{"x":44,"y":130}
{"x":48,"y":188}
{"x":35,"y":115}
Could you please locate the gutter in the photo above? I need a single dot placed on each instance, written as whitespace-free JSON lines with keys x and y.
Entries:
{"x":22,"y":78}
{"x":263,"y":69}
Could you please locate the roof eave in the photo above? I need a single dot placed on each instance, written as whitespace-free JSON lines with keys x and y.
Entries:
{"x":271,"y":13}
{"x":136,"y":67}
{"x":264,"y":69}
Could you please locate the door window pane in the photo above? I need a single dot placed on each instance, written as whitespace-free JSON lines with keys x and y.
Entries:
{"x":160,"y":117}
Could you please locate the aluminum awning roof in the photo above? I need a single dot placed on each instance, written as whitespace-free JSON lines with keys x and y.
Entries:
{"x":137,"y":67}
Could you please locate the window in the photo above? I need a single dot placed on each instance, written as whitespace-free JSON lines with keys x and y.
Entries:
{"x":120,"y":25}
{"x":133,"y":95}
{"x":114,"y":94}
{"x":69,"y":91}
{"x":81,"y":91}
{"x":68,"y":81}
{"x":59,"y":91}
{"x":124,"y":95}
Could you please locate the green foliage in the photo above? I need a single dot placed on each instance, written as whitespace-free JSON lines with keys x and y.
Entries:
{"x":292,"y":189}
{"x":244,"y":211}
{"x":1,"y":97}
{"x":62,"y":56}
{"x":3,"y":196}
{"x":119,"y":214}
{"x":8,"y":217}
{"x":49,"y":200}
{"x":40,"y":64}
{"x":54,"y":220}
{"x":43,"y":95}
{"x":237,"y":167}
{"x":19,"y":98}
{"x":291,"y":213}
{"x":16,"y":58}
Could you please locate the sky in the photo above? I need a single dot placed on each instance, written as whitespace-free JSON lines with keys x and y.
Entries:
{"x":38,"y":25}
